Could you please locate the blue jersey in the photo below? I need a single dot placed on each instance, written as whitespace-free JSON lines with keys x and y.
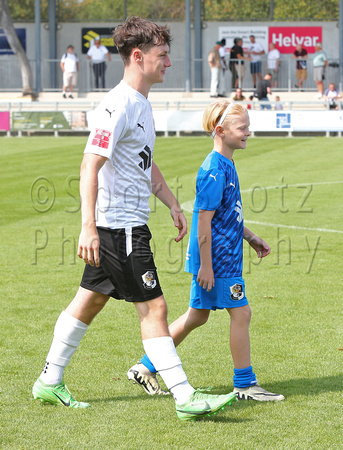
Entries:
{"x":217,"y":189}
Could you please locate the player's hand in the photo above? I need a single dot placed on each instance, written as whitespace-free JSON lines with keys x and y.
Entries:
{"x":88,"y":248}
{"x":260,"y":246}
{"x":206,"y":278}
{"x":180,"y":222}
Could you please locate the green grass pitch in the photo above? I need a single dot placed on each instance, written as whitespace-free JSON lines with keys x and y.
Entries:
{"x":292,"y":197}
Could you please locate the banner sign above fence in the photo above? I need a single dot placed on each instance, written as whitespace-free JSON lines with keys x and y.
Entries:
{"x":106,"y":38}
{"x":244,"y":32}
{"x":287,"y":38}
{"x":5,"y":48}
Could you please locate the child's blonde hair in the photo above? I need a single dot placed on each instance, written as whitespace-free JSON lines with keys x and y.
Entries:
{"x":214,"y":112}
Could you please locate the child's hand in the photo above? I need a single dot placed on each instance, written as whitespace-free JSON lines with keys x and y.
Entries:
{"x":206,"y":278}
{"x":260,"y":246}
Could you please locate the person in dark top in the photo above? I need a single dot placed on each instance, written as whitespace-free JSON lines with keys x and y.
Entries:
{"x":237,"y":63}
{"x":300,"y":54}
{"x":263,"y":89}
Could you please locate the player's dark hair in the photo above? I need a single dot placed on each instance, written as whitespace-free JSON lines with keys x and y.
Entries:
{"x":139,"y":33}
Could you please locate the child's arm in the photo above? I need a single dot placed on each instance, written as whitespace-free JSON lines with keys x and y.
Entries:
{"x":262,"y":248}
{"x":205,"y":274}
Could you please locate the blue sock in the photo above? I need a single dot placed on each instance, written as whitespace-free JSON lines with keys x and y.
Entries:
{"x":148,"y":364}
{"x":244,"y":377}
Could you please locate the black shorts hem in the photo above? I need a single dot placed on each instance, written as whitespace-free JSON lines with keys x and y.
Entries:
{"x":144,"y":298}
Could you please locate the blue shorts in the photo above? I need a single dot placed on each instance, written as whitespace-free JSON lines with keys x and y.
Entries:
{"x":226,"y":293}
{"x":255,"y":67}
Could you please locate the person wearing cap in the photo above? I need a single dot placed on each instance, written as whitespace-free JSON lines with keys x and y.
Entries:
{"x":217,"y":88}
{"x":98,"y":53}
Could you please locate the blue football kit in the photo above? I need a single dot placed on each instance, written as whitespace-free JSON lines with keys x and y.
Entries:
{"x":217,"y":189}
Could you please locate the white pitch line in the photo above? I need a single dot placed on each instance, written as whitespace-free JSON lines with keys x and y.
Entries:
{"x":293,"y":227}
{"x":290,"y":185}
{"x":188,"y":206}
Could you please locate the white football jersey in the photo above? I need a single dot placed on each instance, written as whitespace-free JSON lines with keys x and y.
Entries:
{"x":124,"y":132}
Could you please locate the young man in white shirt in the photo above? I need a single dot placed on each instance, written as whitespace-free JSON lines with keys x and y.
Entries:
{"x":255,"y":52}
{"x":70,"y":67}
{"x":118,"y":176}
{"x":273,"y":63}
{"x":98,"y":54}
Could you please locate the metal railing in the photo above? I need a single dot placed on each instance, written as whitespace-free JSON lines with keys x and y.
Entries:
{"x":175,"y":80}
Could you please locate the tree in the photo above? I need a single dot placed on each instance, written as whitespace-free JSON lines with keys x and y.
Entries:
{"x":7,"y":25}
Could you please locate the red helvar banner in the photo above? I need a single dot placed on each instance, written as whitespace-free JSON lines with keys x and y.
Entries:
{"x":286,"y":38}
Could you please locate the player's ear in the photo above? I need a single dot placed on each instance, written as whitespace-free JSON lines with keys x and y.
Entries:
{"x":137,"y":55}
{"x":219,"y":130}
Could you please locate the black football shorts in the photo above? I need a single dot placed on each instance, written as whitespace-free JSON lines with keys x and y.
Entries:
{"x":127,"y":269}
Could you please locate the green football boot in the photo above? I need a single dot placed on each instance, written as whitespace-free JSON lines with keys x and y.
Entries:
{"x":56,"y":394}
{"x":200,"y":405}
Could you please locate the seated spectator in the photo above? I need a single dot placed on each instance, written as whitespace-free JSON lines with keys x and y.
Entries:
{"x":278,"y":105}
{"x":331,"y":96}
{"x":250,"y":105}
{"x":239,"y":97}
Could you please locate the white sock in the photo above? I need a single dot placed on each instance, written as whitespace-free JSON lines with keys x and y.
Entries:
{"x":162,"y":353}
{"x":68,"y":333}
{"x":181,"y":392}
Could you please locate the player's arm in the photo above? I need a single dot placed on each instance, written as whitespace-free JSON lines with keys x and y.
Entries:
{"x":88,"y":248}
{"x":163,"y":193}
{"x":62,"y":66}
{"x":205,"y":274}
{"x":259,"y":245}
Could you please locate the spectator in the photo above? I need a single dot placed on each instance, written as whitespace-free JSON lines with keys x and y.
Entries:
{"x":97,"y":54}
{"x":217,"y":88}
{"x":278,"y":105}
{"x":70,"y":67}
{"x":222,"y":55}
{"x":250,"y":105}
{"x":237,"y":63}
{"x":255,"y":52}
{"x":239,"y":97}
{"x":263,"y":89}
{"x":320,"y":62}
{"x":331,"y":95}
{"x":300,"y":54}
{"x":273,"y":63}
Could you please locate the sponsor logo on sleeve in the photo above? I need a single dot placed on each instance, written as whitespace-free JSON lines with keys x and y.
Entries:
{"x":101,"y":138}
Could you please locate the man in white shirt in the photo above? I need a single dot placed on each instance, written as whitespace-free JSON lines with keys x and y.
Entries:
{"x":98,"y":54}
{"x":70,"y":67}
{"x":273,"y":63}
{"x":117,"y":178}
{"x":255,"y":51}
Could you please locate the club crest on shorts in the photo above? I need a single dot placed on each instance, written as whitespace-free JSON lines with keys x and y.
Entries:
{"x":149,"y":281}
{"x":237,"y":292}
